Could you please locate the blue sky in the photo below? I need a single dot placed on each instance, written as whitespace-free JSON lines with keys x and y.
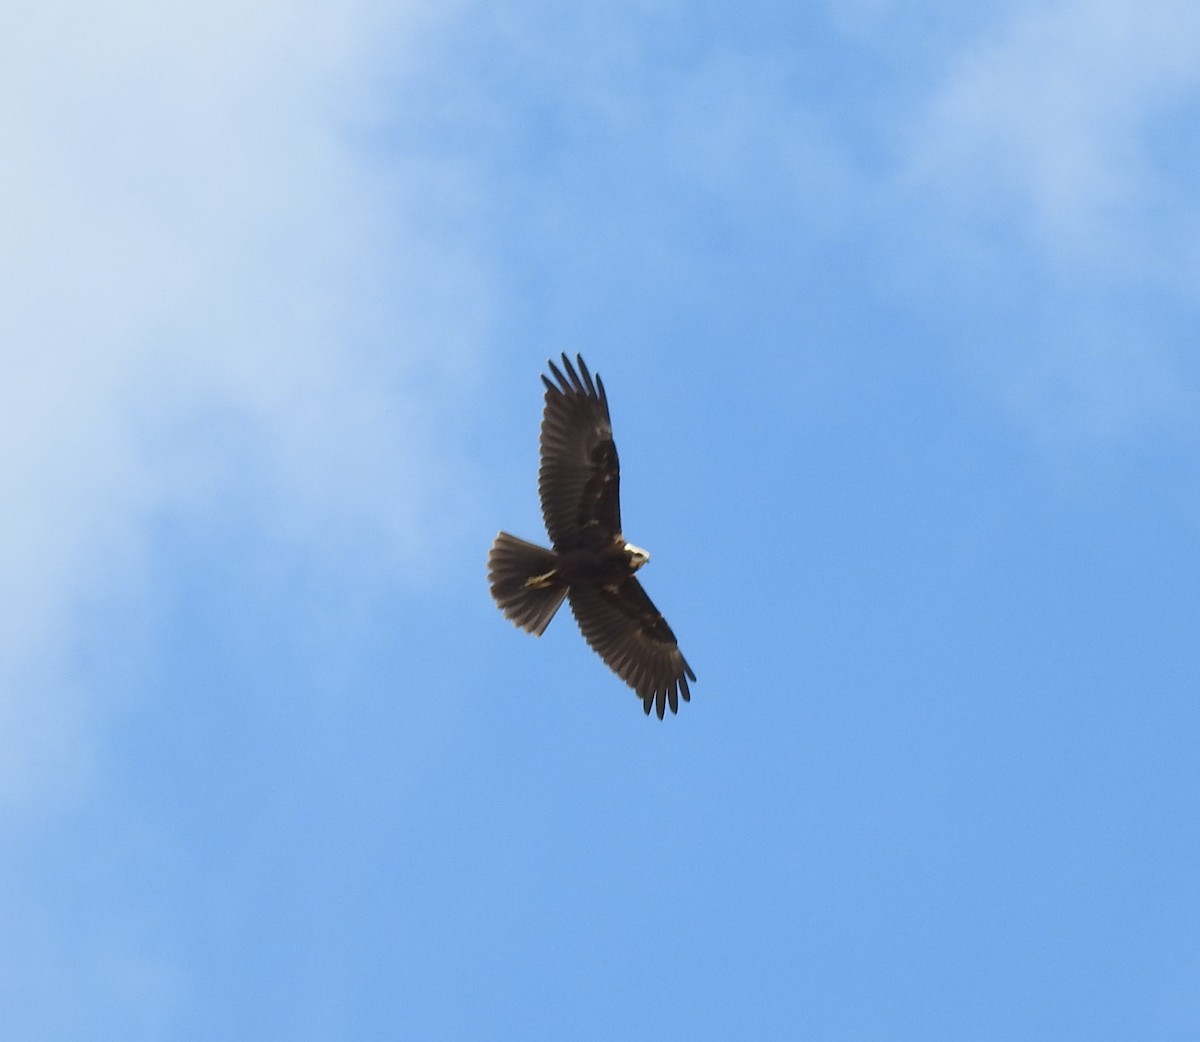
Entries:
{"x":896,"y":305}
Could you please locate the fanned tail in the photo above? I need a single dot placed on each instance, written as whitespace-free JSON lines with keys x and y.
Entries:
{"x":523,"y":583}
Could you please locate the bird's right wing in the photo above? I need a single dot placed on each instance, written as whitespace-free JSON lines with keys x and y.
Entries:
{"x":579,"y":479}
{"x":628,"y":632}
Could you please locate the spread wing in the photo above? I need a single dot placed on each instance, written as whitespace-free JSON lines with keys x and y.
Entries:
{"x":579,"y":480}
{"x":626,"y":630}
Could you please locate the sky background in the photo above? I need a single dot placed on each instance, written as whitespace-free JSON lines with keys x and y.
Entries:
{"x":897,"y":309}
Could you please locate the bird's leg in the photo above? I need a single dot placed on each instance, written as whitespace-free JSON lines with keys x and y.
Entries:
{"x":540,"y":582}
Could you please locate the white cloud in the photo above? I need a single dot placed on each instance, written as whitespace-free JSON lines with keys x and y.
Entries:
{"x":1048,"y":177}
{"x":1053,"y":122}
{"x":860,"y":18}
{"x":191,"y":247}
{"x":736,"y":129}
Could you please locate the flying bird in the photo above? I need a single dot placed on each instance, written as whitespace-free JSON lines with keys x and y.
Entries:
{"x":591,"y":564}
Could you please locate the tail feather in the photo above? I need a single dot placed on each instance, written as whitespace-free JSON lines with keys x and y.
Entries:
{"x":511,"y":563}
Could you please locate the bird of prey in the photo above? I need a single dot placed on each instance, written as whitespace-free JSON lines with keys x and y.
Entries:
{"x":591,"y":564}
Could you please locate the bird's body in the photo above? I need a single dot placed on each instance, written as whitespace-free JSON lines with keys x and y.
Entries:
{"x":607,"y":566}
{"x":591,"y":563}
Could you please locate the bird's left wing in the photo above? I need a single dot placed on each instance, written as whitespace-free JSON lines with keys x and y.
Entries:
{"x":628,"y":632}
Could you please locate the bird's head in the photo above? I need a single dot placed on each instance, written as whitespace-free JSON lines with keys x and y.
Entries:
{"x":637,"y":556}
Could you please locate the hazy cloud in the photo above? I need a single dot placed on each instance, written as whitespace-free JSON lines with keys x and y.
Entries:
{"x":1047,"y":175}
{"x":196,"y":290}
{"x":1056,"y":121}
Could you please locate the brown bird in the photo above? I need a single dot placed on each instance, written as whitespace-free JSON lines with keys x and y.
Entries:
{"x":591,"y":564}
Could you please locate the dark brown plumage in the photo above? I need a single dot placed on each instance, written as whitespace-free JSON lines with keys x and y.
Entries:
{"x":591,"y":564}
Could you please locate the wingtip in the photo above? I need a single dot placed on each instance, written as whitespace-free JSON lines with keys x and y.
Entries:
{"x":576,"y":384}
{"x":587,"y":376}
{"x":580,"y":380}
{"x":557,"y":375}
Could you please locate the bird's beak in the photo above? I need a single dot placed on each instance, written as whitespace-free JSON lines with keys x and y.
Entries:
{"x":637,"y":556}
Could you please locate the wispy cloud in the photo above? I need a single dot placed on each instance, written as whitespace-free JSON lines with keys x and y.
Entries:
{"x":197,"y":290}
{"x":1057,"y":119}
{"x":1048,"y":167}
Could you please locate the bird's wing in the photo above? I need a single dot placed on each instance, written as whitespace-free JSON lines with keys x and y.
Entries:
{"x":626,"y":630}
{"x":579,"y":480}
